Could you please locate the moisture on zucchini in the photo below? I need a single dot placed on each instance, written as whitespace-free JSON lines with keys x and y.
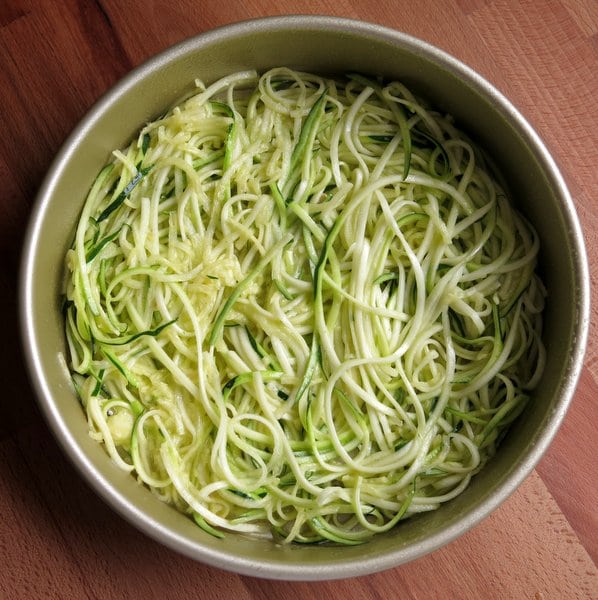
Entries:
{"x":302,"y":307}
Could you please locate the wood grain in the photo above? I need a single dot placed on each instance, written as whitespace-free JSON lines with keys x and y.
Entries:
{"x":57,"y":539}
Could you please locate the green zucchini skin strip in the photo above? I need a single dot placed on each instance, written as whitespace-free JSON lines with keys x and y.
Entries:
{"x":231,"y":133}
{"x":203,"y":524}
{"x":320,"y":527}
{"x":245,"y":378}
{"x":124,"y":194}
{"x":149,"y":332}
{"x":131,"y":379}
{"x":310,"y":369}
{"x":303,"y":145}
{"x":100,"y":245}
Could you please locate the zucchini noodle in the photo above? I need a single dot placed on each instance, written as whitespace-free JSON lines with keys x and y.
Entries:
{"x":302,"y":307}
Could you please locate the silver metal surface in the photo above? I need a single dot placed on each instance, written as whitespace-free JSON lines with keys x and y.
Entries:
{"x":322,"y":44}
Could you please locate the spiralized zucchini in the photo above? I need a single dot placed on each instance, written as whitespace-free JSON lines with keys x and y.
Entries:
{"x":302,"y":307}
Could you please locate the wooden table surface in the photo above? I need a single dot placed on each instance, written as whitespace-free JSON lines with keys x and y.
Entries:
{"x":58,"y":540}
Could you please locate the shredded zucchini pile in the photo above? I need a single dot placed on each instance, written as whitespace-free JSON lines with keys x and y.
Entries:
{"x":302,"y":307}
